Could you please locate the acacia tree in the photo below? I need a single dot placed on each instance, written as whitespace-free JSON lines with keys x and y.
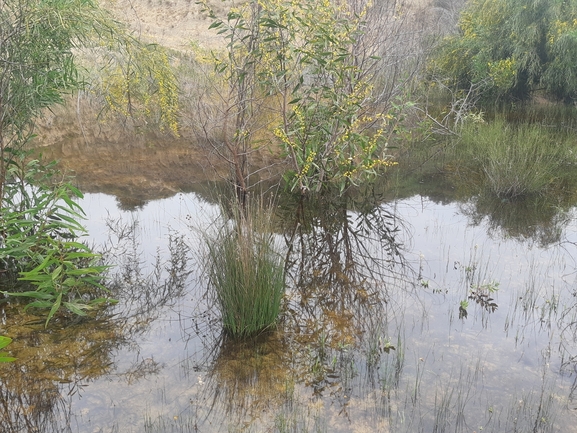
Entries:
{"x":304,"y":73}
{"x":511,"y":48}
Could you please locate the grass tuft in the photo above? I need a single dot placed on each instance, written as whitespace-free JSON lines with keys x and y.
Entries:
{"x":246,"y":272}
{"x":514,"y":161}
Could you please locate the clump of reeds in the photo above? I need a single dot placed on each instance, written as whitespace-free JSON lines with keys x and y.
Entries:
{"x":246,"y":273}
{"x":514,"y":160}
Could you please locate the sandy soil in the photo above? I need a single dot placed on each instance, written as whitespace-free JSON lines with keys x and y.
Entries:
{"x":171,"y":23}
{"x":176,"y":23}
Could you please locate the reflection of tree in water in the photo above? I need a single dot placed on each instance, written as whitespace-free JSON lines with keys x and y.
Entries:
{"x":533,"y":218}
{"x":340,"y":256}
{"x":342,"y":264}
{"x":53,"y":365}
{"x":143,"y":289}
{"x":247,"y":379}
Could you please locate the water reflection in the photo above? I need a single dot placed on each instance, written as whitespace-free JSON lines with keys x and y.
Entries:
{"x":248,"y":378}
{"x":53,"y":366}
{"x":41,"y":390}
{"x":370,"y":338}
{"x":538,"y":219}
{"x":144,"y":288}
{"x":339,"y":258}
{"x":344,"y":263}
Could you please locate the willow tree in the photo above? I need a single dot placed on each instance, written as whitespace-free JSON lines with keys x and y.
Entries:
{"x":510,"y":48}
{"x":39,"y":45}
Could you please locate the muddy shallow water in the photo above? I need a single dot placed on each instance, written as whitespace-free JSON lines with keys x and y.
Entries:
{"x":403,"y":315}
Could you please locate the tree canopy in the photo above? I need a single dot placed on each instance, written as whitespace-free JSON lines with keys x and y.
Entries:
{"x":512,"y":48}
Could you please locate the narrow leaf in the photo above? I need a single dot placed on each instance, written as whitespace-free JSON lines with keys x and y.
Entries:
{"x":54,"y":309}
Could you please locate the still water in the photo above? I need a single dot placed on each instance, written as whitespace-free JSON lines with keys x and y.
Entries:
{"x":406,"y":315}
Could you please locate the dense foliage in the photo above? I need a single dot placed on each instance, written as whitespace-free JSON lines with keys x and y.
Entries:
{"x":306,"y":67}
{"x":509,"y":49}
{"x":36,"y":64}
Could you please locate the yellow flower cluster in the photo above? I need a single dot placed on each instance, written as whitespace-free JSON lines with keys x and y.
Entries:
{"x":307,"y":165}
{"x":503,"y":72}
{"x":281,"y":135}
{"x":167,"y":98}
{"x":143,"y":85}
{"x":493,"y":12}
{"x":467,"y":25}
{"x":559,"y":28}
{"x":117,"y":89}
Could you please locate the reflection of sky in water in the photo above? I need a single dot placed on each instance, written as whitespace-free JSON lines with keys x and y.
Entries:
{"x":515,"y":341}
{"x":155,"y":218}
{"x":515,"y":349}
{"x":147,"y":375}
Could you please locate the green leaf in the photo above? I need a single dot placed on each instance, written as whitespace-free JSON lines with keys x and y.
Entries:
{"x":78,"y":245}
{"x":54,"y":309}
{"x":100,"y":301}
{"x":76,"y":308}
{"x":38,"y":304}
{"x":72,"y":204}
{"x":69,"y":282}
{"x":4,"y":341}
{"x":5,"y":358}
{"x":30,"y":294}
{"x":47,"y":260}
{"x":215,"y":25}
{"x":56,"y":273}
{"x":77,"y":193}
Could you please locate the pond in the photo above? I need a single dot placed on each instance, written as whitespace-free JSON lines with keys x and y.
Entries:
{"x":419,"y":313}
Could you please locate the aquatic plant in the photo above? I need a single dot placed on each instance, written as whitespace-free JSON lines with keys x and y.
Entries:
{"x":246,"y":273}
{"x":482,"y":295}
{"x":511,"y":160}
{"x":463,"y":305}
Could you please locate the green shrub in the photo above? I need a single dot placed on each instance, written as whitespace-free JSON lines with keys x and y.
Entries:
{"x":39,"y":243}
{"x":306,"y":65}
{"x":246,"y":273}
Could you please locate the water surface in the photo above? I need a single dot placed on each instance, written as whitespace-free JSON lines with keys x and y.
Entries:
{"x":403,"y":316}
